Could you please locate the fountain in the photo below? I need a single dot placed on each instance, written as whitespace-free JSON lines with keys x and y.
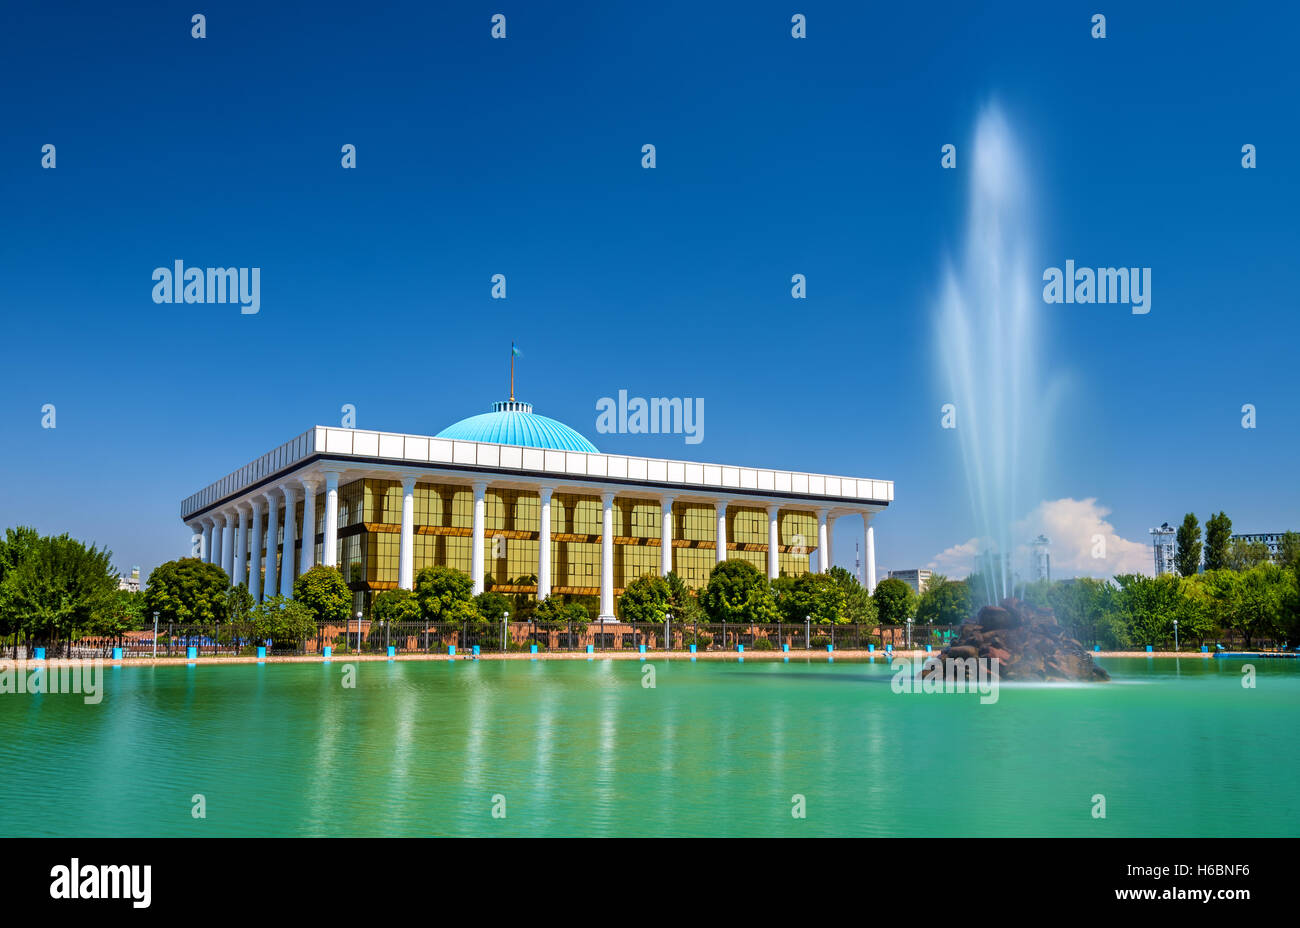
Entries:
{"x":989,"y":353}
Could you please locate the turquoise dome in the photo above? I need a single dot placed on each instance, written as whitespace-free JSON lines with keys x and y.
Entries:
{"x":512,"y":422}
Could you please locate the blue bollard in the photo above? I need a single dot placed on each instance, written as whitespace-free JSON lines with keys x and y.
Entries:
{"x":785,"y":648}
{"x":392,"y":650}
{"x":889,"y":649}
{"x":451,"y":650}
{"x":591,"y":649}
{"x":927,"y":649}
{"x":532,"y":649}
{"x":1204,"y":649}
{"x":871,"y":649}
{"x":326,"y":651}
{"x":1148,"y":649}
{"x":829,"y":648}
{"x":191,"y":652}
{"x":740,"y":648}
{"x":38,"y":654}
{"x":641,"y":648}
{"x":261,"y":651}
{"x":476,"y":651}
{"x":692,"y":649}
{"x":1096,"y":647}
{"x":117,"y":653}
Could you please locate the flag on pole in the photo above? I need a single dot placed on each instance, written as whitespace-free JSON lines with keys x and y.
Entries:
{"x":515,"y":352}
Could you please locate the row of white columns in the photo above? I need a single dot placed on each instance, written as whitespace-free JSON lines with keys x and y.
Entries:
{"x":218,"y":534}
{"x":237,"y":545}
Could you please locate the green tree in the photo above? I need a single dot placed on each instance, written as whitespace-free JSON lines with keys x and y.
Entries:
{"x":59,"y":586}
{"x":395,"y":606}
{"x":1288,"y":550}
{"x":1243,"y":555}
{"x":1188,"y":546}
{"x":812,"y":596}
{"x":683,"y":603}
{"x":646,"y":599}
{"x":945,"y":602}
{"x":14,"y":548}
{"x":1218,"y":533}
{"x":239,"y":604}
{"x":554,"y":613}
{"x":286,"y":623}
{"x":739,"y":594}
{"x":1149,"y":605}
{"x":895,"y":601}
{"x":186,"y":591}
{"x":491,"y":606}
{"x":122,"y":612}
{"x":1253,"y":603}
{"x":859,"y":607}
{"x":324,"y":591}
{"x":444,"y":595}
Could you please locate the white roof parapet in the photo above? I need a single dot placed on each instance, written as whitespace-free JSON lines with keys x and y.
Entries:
{"x":341,"y":443}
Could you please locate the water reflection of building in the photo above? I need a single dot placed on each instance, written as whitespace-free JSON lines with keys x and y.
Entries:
{"x":1162,"y":544}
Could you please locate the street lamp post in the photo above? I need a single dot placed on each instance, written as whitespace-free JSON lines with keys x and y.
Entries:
{"x":1175,"y":634}
{"x":668,"y":631}
{"x":505,"y":617}
{"x":155,"y":636}
{"x":358,"y":632}
{"x":909,"y":633}
{"x":807,"y":633}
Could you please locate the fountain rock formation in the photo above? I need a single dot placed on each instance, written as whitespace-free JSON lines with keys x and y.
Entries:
{"x":1027,"y":642}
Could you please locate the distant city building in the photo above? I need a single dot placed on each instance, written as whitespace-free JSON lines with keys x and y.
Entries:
{"x":917,"y":578}
{"x":1272,"y":540}
{"x":131,"y":583}
{"x":1042,"y":558}
{"x":1162,"y":544}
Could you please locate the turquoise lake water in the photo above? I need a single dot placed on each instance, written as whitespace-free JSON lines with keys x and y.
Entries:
{"x":584,"y":748}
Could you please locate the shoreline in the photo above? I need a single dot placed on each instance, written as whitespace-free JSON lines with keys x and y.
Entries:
{"x":649,"y":656}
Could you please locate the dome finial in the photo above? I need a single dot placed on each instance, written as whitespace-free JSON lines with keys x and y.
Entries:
{"x":514,"y":352}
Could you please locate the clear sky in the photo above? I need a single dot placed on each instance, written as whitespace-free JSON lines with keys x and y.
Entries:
{"x":522,"y":157}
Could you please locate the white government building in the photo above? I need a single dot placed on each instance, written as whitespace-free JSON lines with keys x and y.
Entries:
{"x":520,"y":502}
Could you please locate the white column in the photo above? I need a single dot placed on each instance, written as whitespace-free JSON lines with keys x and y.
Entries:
{"x":823,"y":545}
{"x":871,"y":554}
{"x":309,"y":487}
{"x":241,"y":546}
{"x":721,"y":507}
{"x":205,"y":550}
{"x":269,"y":588}
{"x":255,"y":552}
{"x":607,"y":557}
{"x":476,"y":542}
{"x":290,"y":534}
{"x":228,"y":545}
{"x":330,"y":548}
{"x":544,"y":545}
{"x":216,"y":541}
{"x":406,"y":550}
{"x":665,"y":536}
{"x":830,"y":541}
{"x":773,"y":541}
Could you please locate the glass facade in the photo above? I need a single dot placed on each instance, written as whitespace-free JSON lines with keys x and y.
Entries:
{"x":369,"y":537}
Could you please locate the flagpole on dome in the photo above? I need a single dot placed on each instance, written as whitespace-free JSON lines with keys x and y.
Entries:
{"x":514,"y":352}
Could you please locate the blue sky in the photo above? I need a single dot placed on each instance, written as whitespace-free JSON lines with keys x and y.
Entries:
{"x":522,"y":156}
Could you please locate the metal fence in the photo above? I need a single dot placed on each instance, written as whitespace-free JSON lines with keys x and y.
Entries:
{"x":371,"y":637}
